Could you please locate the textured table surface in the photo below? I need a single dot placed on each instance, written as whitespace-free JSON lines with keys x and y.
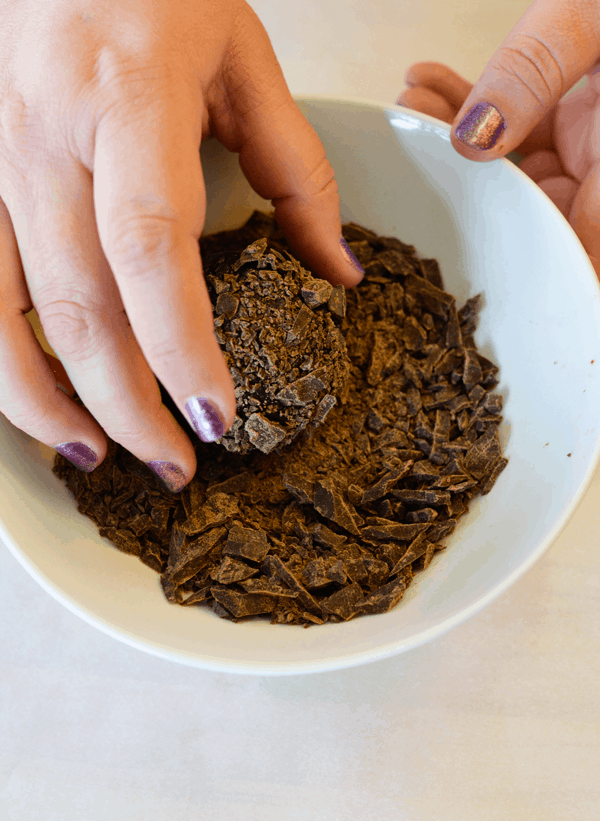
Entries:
{"x":499,"y":719}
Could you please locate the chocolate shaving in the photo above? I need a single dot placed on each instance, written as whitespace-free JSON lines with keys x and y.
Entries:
{"x":366,"y":422}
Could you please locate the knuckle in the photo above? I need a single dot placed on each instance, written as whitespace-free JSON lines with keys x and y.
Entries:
{"x":533,"y":63}
{"x":162,"y":355}
{"x":321,"y":179}
{"x":70,"y":328}
{"x":139,"y":243}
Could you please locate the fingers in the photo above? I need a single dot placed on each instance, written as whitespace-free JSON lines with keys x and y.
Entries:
{"x":427,"y":102}
{"x":149,"y":196}
{"x":440,"y":79}
{"x":541,"y":165}
{"x":562,"y":191}
{"x":32,"y":400}
{"x":81,"y":312}
{"x":584,"y":215}
{"x":550,"y":48}
{"x":281,"y":155}
{"x":437,"y":90}
{"x":30,"y":397}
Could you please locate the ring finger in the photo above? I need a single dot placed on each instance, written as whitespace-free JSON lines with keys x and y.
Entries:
{"x":31,"y":397}
{"x":81,"y":312}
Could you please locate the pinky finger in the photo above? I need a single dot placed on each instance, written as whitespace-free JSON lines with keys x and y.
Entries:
{"x":32,"y":400}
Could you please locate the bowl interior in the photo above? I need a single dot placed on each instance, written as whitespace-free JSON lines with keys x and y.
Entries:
{"x":492,"y":231}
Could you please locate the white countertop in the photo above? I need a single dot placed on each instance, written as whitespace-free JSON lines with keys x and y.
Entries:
{"x":499,"y":719}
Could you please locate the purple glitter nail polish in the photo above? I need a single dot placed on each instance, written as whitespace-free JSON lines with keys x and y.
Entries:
{"x":78,"y":454}
{"x":205,"y":419}
{"x":481,"y":127}
{"x":171,"y":476}
{"x":347,"y":251}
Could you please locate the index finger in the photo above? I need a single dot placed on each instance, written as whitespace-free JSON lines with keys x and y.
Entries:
{"x":280,"y":153}
{"x":150,"y":205}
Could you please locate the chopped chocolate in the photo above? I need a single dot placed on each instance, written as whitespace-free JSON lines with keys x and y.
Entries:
{"x":366,"y":424}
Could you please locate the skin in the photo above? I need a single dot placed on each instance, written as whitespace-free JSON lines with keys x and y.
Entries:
{"x":553,"y":45}
{"x":103,"y":106}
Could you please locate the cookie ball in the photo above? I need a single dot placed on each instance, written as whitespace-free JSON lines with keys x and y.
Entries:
{"x":278,"y":328}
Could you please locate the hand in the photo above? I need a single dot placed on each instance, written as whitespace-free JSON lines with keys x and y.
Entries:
{"x":103,"y":106}
{"x":554,"y":44}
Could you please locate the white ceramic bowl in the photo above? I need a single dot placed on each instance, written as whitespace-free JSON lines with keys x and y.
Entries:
{"x":493,"y":231}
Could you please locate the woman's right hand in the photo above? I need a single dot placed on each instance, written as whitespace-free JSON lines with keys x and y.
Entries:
{"x":103,"y":106}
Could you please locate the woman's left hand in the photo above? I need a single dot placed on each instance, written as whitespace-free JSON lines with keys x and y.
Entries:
{"x":554,"y":44}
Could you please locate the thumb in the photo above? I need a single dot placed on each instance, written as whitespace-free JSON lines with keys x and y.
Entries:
{"x":552,"y":46}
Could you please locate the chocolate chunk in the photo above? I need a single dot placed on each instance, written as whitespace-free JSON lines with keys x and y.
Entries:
{"x":243,"y":604}
{"x":288,"y":578}
{"x":424,"y":514}
{"x":424,"y":471}
{"x":472,"y":372}
{"x":330,"y":503}
{"x":493,"y":403}
{"x":393,"y":530}
{"x":302,"y":391}
{"x":227,"y":304}
{"x":315,"y":575}
{"x":422,"y":497}
{"x":267,"y":587}
{"x":302,"y":323}
{"x":123,"y":539}
{"x":325,"y":536}
{"x":415,"y":549}
{"x":493,"y":475}
{"x":413,"y":334}
{"x":337,"y":572}
{"x":262,"y":433}
{"x":383,"y":599}
{"x":301,"y":488}
{"x":325,"y":405}
{"x":337,"y":301}
{"x":219,"y":508}
{"x":486,"y":451}
{"x":385,"y":484}
{"x":317,"y":293}
{"x":375,"y":421}
{"x":230,"y":571}
{"x":434,"y":299}
{"x":195,"y":557}
{"x":246,"y":543}
{"x":431,"y":271}
{"x":343,"y":602}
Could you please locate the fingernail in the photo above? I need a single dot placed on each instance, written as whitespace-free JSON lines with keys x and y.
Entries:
{"x":170,"y":475}
{"x":205,"y":419}
{"x":79,"y":455}
{"x":347,"y":252}
{"x":481,"y":126}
